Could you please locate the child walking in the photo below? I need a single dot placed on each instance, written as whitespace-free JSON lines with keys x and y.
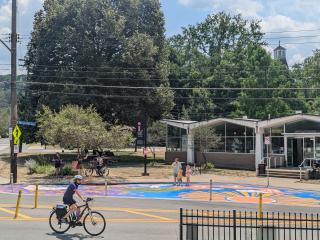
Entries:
{"x":188,"y":174}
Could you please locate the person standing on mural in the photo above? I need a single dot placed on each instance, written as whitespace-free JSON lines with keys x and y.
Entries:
{"x":176,"y":166}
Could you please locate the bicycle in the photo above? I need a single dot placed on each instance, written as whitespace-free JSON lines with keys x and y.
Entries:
{"x":195,"y":170}
{"x":102,"y":172}
{"x":92,"y":219}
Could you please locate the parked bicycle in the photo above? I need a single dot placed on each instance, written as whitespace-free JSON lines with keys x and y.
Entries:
{"x":195,"y":170}
{"x":98,"y":167}
{"x":93,"y":222}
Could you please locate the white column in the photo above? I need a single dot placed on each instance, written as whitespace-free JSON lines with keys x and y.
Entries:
{"x":286,"y":149}
{"x":259,"y":146}
{"x":190,"y":148}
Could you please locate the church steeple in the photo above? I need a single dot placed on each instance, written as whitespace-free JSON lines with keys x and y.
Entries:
{"x":280,"y":54}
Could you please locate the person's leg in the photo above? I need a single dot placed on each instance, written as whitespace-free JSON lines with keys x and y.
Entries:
{"x":72,"y":209}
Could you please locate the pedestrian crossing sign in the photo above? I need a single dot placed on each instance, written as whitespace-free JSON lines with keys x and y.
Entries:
{"x":16,"y":135}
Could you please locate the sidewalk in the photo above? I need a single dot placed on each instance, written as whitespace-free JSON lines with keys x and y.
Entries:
{"x":256,"y":181}
{"x":203,"y":178}
{"x":3,"y":181}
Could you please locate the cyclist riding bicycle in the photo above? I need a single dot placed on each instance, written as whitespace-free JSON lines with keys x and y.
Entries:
{"x":99,"y":163}
{"x":69,"y":200}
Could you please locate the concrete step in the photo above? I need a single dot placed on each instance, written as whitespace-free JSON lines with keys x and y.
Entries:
{"x":285,"y":173}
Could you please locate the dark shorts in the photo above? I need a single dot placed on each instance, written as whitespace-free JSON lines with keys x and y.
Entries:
{"x":69,"y":201}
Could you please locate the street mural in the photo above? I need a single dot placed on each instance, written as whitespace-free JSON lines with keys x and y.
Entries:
{"x":197,"y":191}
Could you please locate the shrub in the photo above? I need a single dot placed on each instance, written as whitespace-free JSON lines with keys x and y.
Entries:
{"x":44,"y":169}
{"x":68,"y":171}
{"x":31,"y":165}
{"x":208,"y":166}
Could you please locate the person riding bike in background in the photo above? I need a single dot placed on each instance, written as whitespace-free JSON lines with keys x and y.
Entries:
{"x":99,"y":163}
{"x":69,"y":200}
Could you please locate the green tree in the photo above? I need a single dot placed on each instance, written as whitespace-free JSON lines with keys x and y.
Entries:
{"x":213,"y":53}
{"x":205,"y":140}
{"x":119,"y":137}
{"x":157,"y":133}
{"x":226,"y":51}
{"x":72,"y":126}
{"x":100,"y":42}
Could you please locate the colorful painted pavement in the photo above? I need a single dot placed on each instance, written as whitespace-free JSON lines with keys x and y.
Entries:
{"x":197,"y":191}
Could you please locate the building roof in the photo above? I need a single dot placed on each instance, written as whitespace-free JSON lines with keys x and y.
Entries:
{"x":251,"y":123}
{"x":279,"y":48}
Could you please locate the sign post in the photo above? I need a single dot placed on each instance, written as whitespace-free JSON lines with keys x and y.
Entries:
{"x":142,"y":142}
{"x":267,"y":142}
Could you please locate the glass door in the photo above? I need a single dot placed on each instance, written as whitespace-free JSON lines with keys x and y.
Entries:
{"x":290,"y":151}
{"x":317,"y":147}
{"x":308,"y":147}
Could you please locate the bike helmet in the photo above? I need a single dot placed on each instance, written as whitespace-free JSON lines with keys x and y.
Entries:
{"x":77,"y":177}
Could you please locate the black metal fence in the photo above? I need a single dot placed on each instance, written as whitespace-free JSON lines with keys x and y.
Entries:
{"x":237,"y":225}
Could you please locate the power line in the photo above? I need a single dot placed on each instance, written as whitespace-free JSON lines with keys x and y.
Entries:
{"x":285,"y":37}
{"x":170,"y":88}
{"x":137,"y":96}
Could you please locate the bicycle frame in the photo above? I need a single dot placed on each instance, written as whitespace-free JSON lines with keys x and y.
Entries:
{"x":86,"y":207}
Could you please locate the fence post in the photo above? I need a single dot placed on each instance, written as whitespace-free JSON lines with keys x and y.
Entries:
{"x":36,"y":196}
{"x":260,"y":206}
{"x":181,"y":224}
{"x":18,"y":205}
{"x":105,"y":187}
{"x":234,"y":225}
{"x":210,"y":190}
{"x":11,"y":181}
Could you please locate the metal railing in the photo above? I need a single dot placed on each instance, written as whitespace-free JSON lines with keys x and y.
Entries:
{"x":236,"y":225}
{"x":275,"y":160}
{"x":308,"y":163}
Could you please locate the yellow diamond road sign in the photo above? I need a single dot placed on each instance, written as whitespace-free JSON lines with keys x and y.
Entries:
{"x":16,"y":135}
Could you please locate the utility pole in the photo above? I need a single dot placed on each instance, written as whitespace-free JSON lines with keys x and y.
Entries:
{"x":14,"y":110}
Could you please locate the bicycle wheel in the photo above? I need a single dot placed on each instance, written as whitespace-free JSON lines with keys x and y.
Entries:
{"x":56,"y":224}
{"x":88,"y":172}
{"x":103,"y":172}
{"x":94,"y":223}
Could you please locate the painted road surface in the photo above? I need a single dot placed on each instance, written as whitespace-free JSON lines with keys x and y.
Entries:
{"x":198,"y":191}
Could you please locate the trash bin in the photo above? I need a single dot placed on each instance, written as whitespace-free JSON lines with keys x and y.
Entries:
{"x":262,"y":169}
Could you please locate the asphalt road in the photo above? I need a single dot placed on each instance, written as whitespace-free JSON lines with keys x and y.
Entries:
{"x":127,"y":219}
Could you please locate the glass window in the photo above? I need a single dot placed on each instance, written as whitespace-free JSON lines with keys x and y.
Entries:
{"x":277,"y":131}
{"x":277,"y":145}
{"x":236,"y":144}
{"x":220,"y":130}
{"x":220,"y":146}
{"x":249,"y":131}
{"x":250,"y":141}
{"x":174,"y":144}
{"x":235,"y":130}
{"x":317,"y":147}
{"x":303,"y":126}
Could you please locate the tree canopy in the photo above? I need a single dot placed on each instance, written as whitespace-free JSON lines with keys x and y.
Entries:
{"x":83,"y":46}
{"x":81,"y":128}
{"x":223,"y":52}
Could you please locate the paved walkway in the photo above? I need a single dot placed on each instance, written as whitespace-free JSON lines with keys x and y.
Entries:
{"x":221,"y":192}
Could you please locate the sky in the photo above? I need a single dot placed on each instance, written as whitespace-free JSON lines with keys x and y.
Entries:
{"x":294,"y":22}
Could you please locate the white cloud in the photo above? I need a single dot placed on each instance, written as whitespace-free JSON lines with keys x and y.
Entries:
{"x":296,"y":58}
{"x":284,"y":23}
{"x":248,"y":8}
{"x":26,"y":11}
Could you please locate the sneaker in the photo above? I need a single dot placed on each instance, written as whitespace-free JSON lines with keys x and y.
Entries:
{"x":64,"y":220}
